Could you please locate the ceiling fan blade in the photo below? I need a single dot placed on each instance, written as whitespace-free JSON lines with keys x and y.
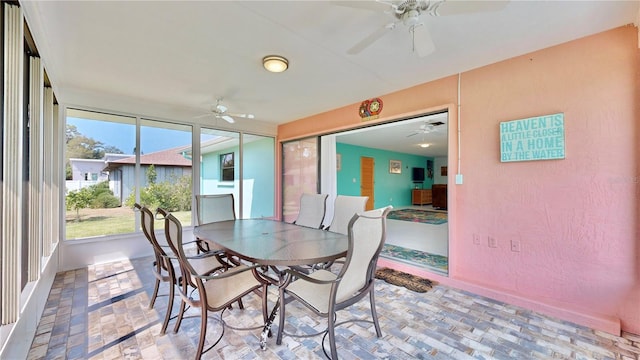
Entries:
{"x":456,"y":7}
{"x":367,"y":5}
{"x":248,"y":116}
{"x":373,"y":37}
{"x":227,"y":118}
{"x":422,"y":42}
{"x":201,"y":116}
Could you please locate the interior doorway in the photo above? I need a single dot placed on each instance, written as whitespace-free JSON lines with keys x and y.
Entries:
{"x":386,"y":156}
{"x":367,"y":165}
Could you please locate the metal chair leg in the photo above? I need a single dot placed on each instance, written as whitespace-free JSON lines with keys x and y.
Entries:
{"x":155,"y":294}
{"x":203,"y":331}
{"x":167,"y":316}
{"x":374,"y":314}
{"x":332,"y":335}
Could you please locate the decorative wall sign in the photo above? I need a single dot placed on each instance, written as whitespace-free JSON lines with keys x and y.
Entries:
{"x":536,"y":138}
{"x":369,"y":109}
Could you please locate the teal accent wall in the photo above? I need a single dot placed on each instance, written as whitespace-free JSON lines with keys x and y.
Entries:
{"x":259,"y":165}
{"x":389,"y":189}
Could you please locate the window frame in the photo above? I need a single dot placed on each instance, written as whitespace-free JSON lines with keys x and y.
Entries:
{"x":224,"y":169}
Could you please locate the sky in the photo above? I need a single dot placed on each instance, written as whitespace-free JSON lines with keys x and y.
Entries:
{"x":123,"y":136}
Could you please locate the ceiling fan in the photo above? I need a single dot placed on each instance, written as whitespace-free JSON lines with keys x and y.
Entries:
{"x":410,"y":14}
{"x":220,"y":111}
{"x":426,"y":128}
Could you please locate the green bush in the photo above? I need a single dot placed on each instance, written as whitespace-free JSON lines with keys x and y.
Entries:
{"x":105,"y":200}
{"x":97,"y":196}
{"x":174,"y":195}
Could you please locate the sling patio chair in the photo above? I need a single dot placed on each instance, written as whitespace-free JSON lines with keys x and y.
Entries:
{"x":216,"y":291}
{"x":164,"y":270}
{"x":312,"y":210}
{"x":325,"y":292}
{"x":213,"y":208}
{"x":344,"y":209}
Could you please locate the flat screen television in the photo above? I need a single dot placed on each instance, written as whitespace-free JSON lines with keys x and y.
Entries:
{"x":417,"y":175}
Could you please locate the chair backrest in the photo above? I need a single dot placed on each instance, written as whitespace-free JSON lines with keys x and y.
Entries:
{"x":367,"y":234}
{"x":173,"y":232}
{"x":312,"y":210}
{"x":147,"y":220}
{"x":344,"y":209}
{"x":212,"y":208}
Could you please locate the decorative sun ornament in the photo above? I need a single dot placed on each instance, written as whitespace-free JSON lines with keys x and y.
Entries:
{"x":370,"y":108}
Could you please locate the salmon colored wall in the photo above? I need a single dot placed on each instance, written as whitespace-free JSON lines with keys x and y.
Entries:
{"x":576,"y":219}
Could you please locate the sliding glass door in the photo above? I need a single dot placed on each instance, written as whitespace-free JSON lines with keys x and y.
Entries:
{"x":299,"y":174}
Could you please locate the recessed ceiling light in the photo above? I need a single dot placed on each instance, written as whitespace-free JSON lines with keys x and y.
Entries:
{"x":275,"y":63}
{"x":424,"y":145}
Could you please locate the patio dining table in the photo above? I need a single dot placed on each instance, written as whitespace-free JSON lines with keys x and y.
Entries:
{"x":272,"y":244}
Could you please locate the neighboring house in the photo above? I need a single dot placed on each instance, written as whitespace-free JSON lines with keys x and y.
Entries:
{"x":169,"y":164}
{"x":87,"y":172}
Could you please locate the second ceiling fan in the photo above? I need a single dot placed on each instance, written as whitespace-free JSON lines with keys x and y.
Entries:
{"x":220,"y":111}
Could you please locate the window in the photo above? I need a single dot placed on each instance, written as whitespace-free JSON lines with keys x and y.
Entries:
{"x":94,"y":143}
{"x":227,"y":166}
{"x":251,"y":173}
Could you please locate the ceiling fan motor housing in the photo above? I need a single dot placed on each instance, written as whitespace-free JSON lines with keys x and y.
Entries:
{"x":411,"y":18}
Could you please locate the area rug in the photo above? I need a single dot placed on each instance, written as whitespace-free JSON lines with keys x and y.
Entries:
{"x":435,"y":263}
{"x":418,"y":215}
{"x":398,"y":278}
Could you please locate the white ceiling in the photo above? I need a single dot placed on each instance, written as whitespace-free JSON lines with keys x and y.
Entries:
{"x":177,"y":57}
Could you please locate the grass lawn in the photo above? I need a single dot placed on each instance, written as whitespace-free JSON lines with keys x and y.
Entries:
{"x":97,"y":222}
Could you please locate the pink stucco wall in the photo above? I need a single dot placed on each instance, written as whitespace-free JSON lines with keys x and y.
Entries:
{"x":577,"y":218}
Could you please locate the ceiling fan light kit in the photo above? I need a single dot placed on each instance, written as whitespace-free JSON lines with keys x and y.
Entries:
{"x":275,"y":63}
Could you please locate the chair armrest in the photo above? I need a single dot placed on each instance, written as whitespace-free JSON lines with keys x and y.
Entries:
{"x":206,"y":255}
{"x":235,"y":271}
{"x":306,"y":277}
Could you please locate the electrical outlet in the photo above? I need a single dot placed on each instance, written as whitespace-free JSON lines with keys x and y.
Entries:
{"x":515,"y":245}
{"x":476,"y":239}
{"x":493,"y":243}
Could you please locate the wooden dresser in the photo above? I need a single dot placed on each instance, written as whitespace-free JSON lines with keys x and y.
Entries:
{"x":420,"y":196}
{"x":439,"y":196}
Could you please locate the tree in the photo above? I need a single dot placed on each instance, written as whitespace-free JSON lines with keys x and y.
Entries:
{"x":83,"y":147}
{"x":78,"y":199}
{"x":152,"y":175}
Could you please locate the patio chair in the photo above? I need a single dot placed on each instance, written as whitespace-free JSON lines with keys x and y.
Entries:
{"x":344,"y":209}
{"x":163,"y":271}
{"x":216,"y":290}
{"x":325,"y":292}
{"x":213,"y":208}
{"x":312,"y":210}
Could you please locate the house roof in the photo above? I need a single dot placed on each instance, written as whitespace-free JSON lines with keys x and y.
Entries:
{"x":169,"y":157}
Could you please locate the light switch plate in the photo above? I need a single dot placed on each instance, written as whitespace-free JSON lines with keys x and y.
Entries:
{"x":459,"y":179}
